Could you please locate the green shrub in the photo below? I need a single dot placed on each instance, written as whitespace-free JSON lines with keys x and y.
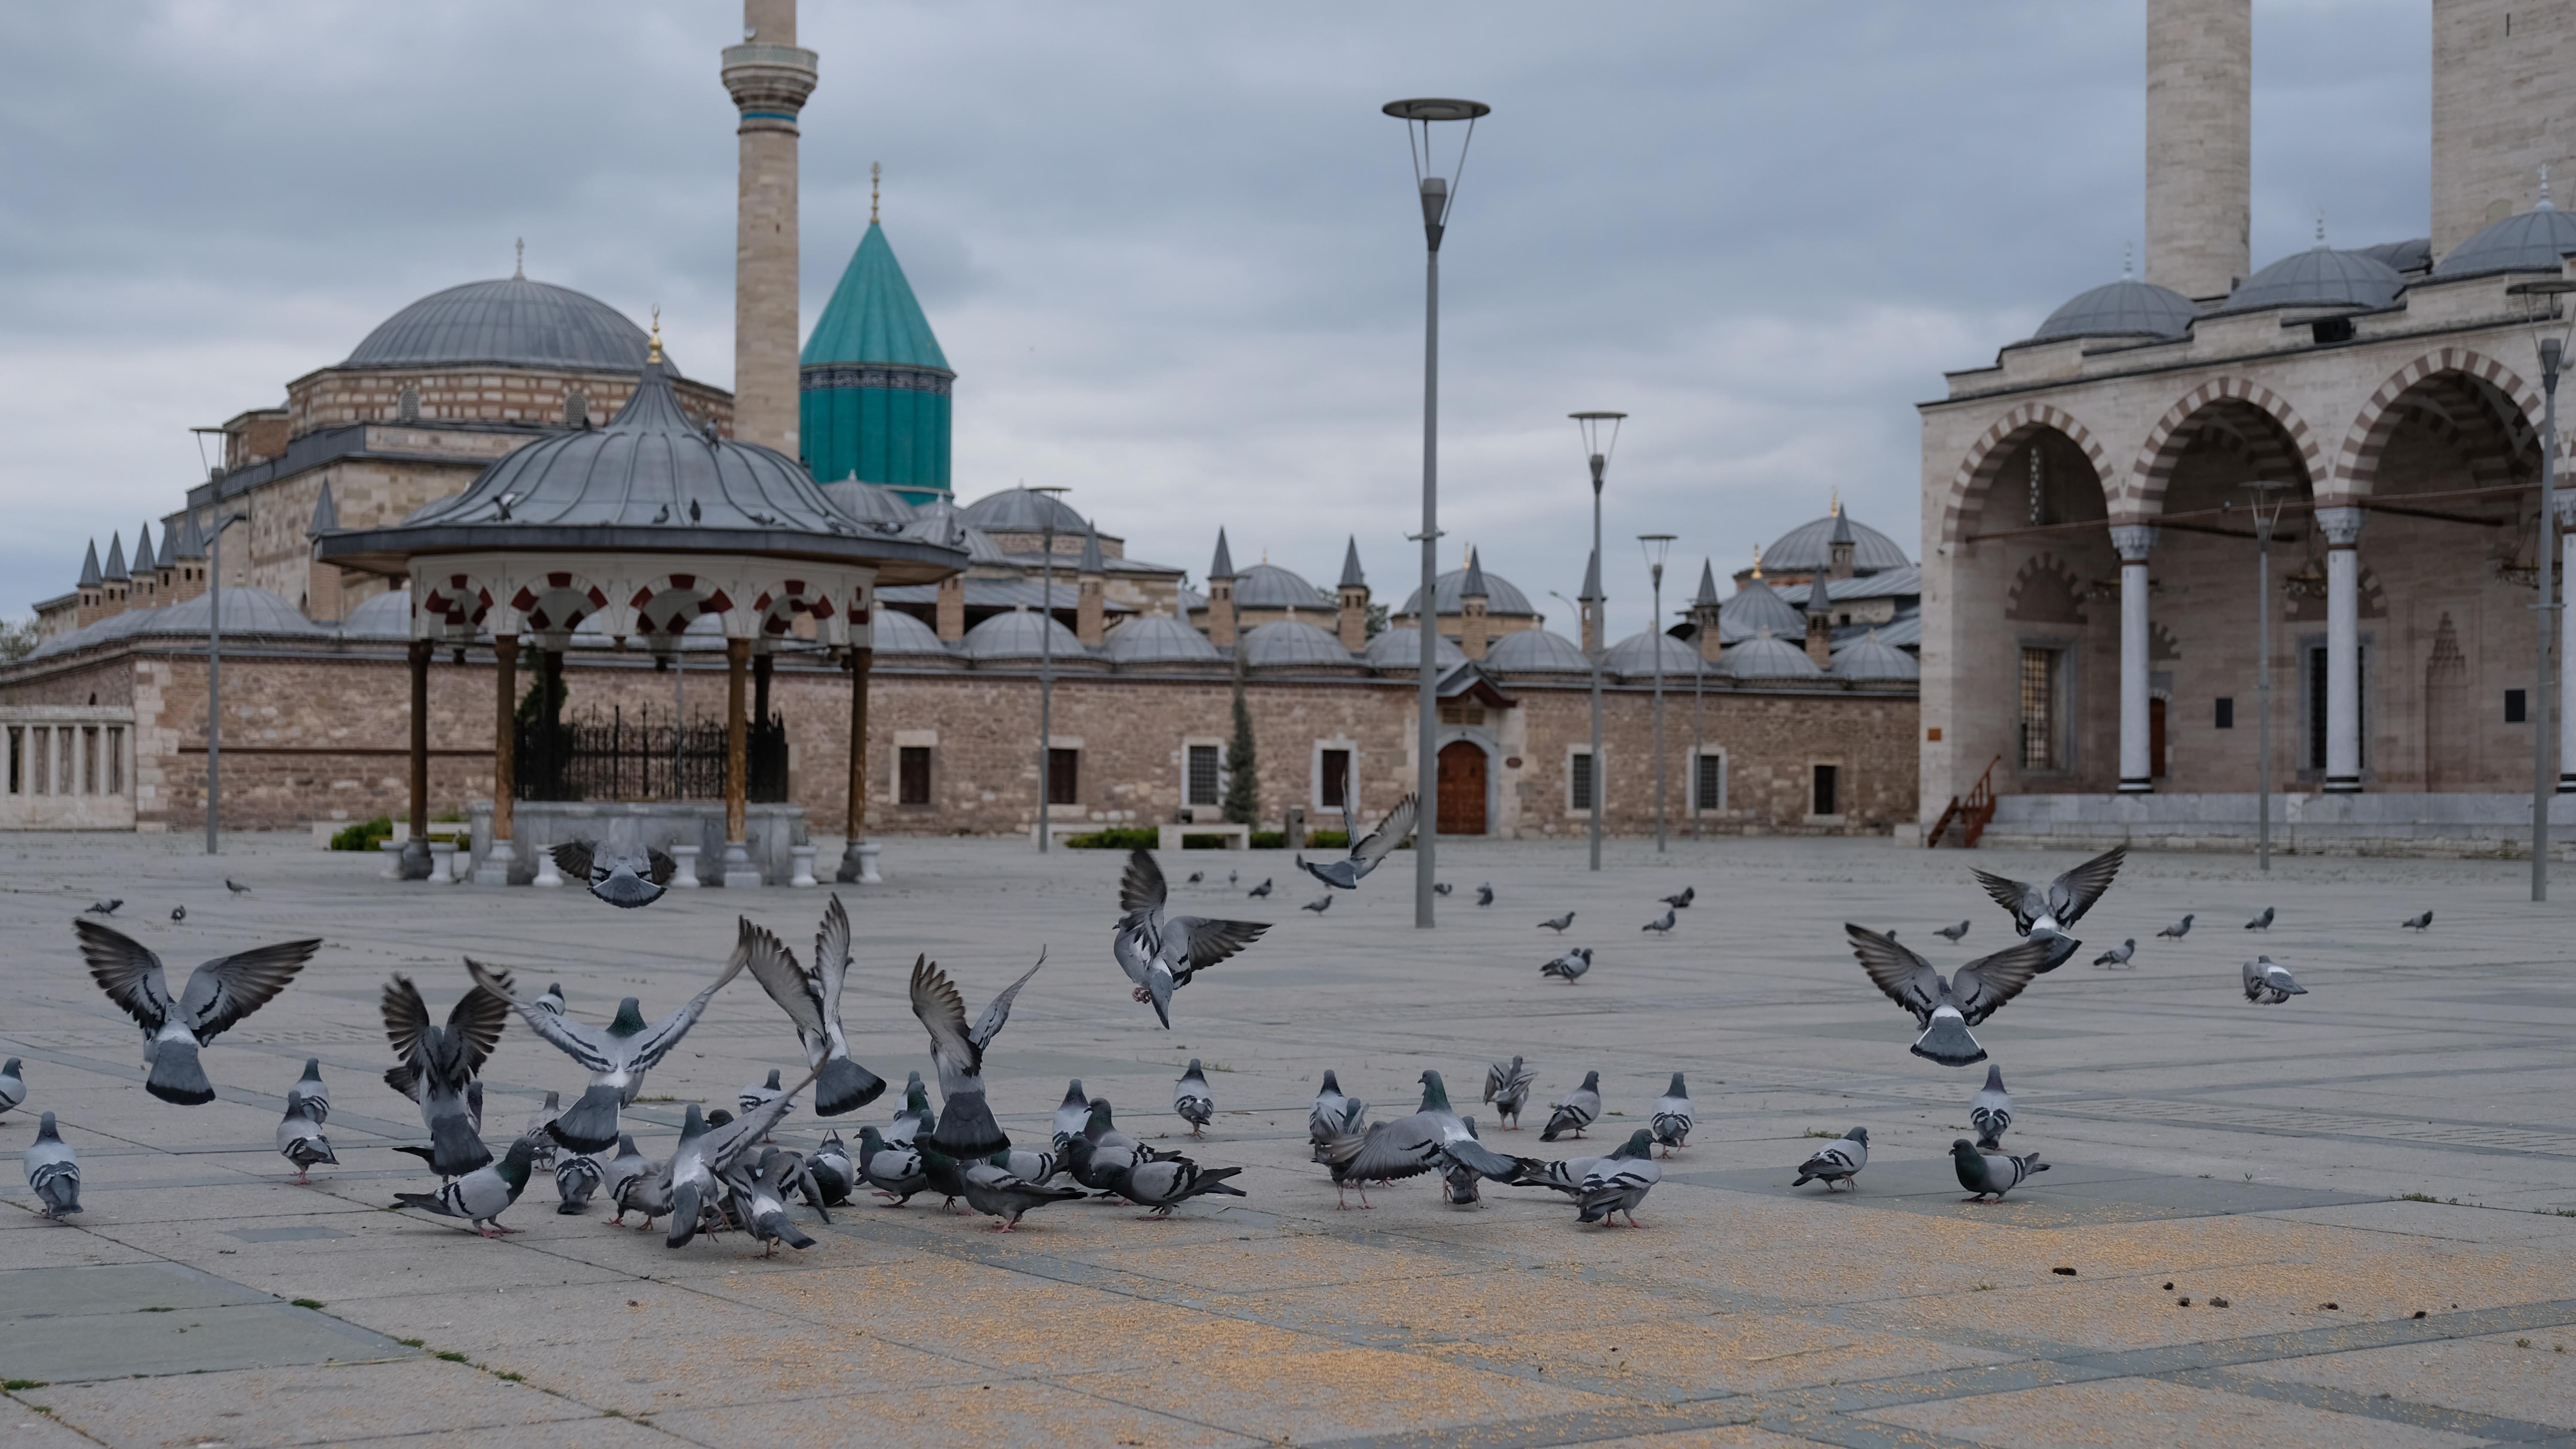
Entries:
{"x":365,"y":834}
{"x":1116,"y":837}
{"x":1328,"y":839}
{"x":1269,"y":839}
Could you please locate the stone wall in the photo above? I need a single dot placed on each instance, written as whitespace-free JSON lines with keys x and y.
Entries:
{"x":489,"y":394}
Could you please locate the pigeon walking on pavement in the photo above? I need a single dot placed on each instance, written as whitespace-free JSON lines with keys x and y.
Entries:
{"x":300,"y":1141}
{"x":811,"y":997}
{"x":1259,"y":891}
{"x":1073,"y":1111}
{"x":892,"y":1170}
{"x":966,"y":1130}
{"x":236,"y":887}
{"x":1988,"y":1177}
{"x":1441,"y":888}
{"x":833,"y":1174}
{"x":1319,"y":907}
{"x":914,"y":1117}
{"x":1837,"y":1161}
{"x":1558,"y":923}
{"x":1367,"y":851}
{"x":2178,"y":929}
{"x":763,"y":1196}
{"x":1192,"y":1100}
{"x":220,"y":993}
{"x":624,"y":881}
{"x":2262,"y":922}
{"x":1952,"y":933}
{"x":1672,"y":1119}
{"x":2418,"y":923}
{"x":1602,"y":1186}
{"x":1946,"y":1008}
{"x":1433,"y":1139}
{"x":2118,"y":955}
{"x":480,"y":1196}
{"x":1165,"y":1183}
{"x":106,"y":907}
{"x":1485,"y":895}
{"x":1568,"y":966}
{"x":578,"y":1176}
{"x":2269,"y":983}
{"x":178,"y":914}
{"x":1574,"y":1111}
{"x":1682,"y":901}
{"x":13,"y":1086}
{"x":993,"y":1190}
{"x":53,"y":1170}
{"x":307,"y":1092}
{"x":1660,"y":924}
{"x":439,"y":1067}
{"x":1159,"y":953}
{"x":1507,"y":1086}
{"x":2049,"y":913}
{"x":1990,"y":1111}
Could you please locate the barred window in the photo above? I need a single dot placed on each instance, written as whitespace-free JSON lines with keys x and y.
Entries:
{"x":1064,"y":777}
{"x":2039,"y":709}
{"x":1708,"y":782}
{"x":1204,"y":776}
{"x":912,"y":775}
{"x":1579,"y":793}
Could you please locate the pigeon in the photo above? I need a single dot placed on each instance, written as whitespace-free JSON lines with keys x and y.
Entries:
{"x":1570,"y":965}
{"x":178,"y":913}
{"x":220,"y":993}
{"x":760,"y":1094}
{"x":438,"y":1067}
{"x":618,"y":1056}
{"x":577,"y":1176}
{"x":648,"y":1192}
{"x":2118,"y":955}
{"x":2049,"y":912}
{"x":1660,"y":924}
{"x":2269,"y":983}
{"x":1165,"y":1183}
{"x":915,"y":1117}
{"x":662,"y":514}
{"x":1575,"y":1111}
{"x":1260,"y":890}
{"x":2418,"y":923}
{"x":307,"y":1093}
{"x":1947,"y":1008}
{"x":13,"y":1086}
{"x":552,"y":1000}
{"x":992,"y":1189}
{"x":1559,"y":924}
{"x":53,"y":1170}
{"x":1440,"y":888}
{"x":701,"y":1167}
{"x":2262,"y":922}
{"x":106,"y":907}
{"x":1507,"y":1086}
{"x":812,"y":1000}
{"x":236,"y":887}
{"x":1484,"y":895}
{"x":618,"y":1172}
{"x":1682,"y":902}
{"x":893,"y":1169}
{"x":719,"y":1117}
{"x":547,"y":1111}
{"x":1192,"y":1099}
{"x":1601,"y":1186}
{"x":2178,"y":929}
{"x":1333,"y":1114}
{"x":1072,"y":1112}
{"x":480,"y":1196}
{"x":300,"y":1141}
{"x":1672,"y":1120}
{"x":833,"y":1175}
{"x":1990,"y":1110}
{"x":1197,"y":877}
{"x":1232,"y":879}
{"x":1459,"y":1182}
{"x":1837,"y":1161}
{"x":1986,"y":1177}
{"x":693,"y":511}
{"x":765,"y":1204}
{"x":1433,"y":1139}
{"x":1367,"y":851}
{"x":1099,"y":1155}
{"x":625,"y":881}
{"x":1030,"y":1166}
{"x":1321,"y":906}
{"x":1952,"y":934}
{"x":1161,"y":954}
{"x":966,"y":1130}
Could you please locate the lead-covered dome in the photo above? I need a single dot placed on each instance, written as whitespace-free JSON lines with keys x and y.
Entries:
{"x":510,"y":322}
{"x":1268,"y":586}
{"x":1017,"y":510}
{"x":1447,"y":591}
{"x":896,"y":634}
{"x":1537,"y":651}
{"x":1754,"y":608}
{"x":1021,"y":634}
{"x":1635,"y":657}
{"x":1868,"y":658}
{"x":2319,"y":277}
{"x":1808,"y":548}
{"x":1292,"y":644}
{"x":2125,"y":308}
{"x":1158,"y":639}
{"x":1763,"y":657}
{"x":2536,"y":241}
{"x":386,"y":616}
{"x":869,"y":502}
{"x":1402,"y":649}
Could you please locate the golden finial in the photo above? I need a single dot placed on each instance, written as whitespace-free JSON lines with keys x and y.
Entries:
{"x":876,"y":173}
{"x":655,"y":355}
{"x":1838,"y":502}
{"x":1757,"y":560}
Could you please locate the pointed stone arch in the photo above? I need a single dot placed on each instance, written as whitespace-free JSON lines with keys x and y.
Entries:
{"x":1999,"y":443}
{"x":2473,"y":382}
{"x":2173,"y":433}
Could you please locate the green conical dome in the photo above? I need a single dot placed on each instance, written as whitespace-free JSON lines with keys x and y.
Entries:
{"x":875,"y":399}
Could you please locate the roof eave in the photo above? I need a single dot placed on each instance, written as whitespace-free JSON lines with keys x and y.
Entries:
{"x":389,"y":551}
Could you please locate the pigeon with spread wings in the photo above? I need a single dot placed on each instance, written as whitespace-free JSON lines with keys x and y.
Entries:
{"x":440,"y":1067}
{"x":1946,"y":1008}
{"x":812,"y":1000}
{"x":1161,"y":953}
{"x":219,"y":993}
{"x":966,"y":1130}
{"x":1366,"y":851}
{"x":625,"y":881}
{"x":2048,"y":913}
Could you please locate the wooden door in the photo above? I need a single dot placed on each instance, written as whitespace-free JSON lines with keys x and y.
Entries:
{"x":2155,"y":739}
{"x":1462,"y":789}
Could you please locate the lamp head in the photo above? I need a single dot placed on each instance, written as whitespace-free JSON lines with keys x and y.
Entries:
{"x":1434,"y":190}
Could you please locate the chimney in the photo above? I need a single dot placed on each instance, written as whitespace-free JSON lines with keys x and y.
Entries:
{"x":91,"y":591}
{"x":1591,"y":601}
{"x":2502,"y":89}
{"x":1820,"y":624}
{"x":321,"y":580}
{"x":769,"y":79}
{"x":2200,"y":90}
{"x":142,"y":592}
{"x":1091,"y":583}
{"x":949,"y":617}
{"x":1351,"y":623}
{"x":1220,"y":607}
{"x":1704,"y":615}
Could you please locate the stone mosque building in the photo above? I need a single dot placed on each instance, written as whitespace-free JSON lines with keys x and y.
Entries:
{"x":472,"y":491}
{"x":2090,"y":554}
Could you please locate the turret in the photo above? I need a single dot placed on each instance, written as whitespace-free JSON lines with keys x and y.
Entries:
{"x":1220,"y":582}
{"x":1473,"y":625}
{"x":1820,"y":623}
{"x":115,"y":581}
{"x":1352,"y":598}
{"x":1703,"y":613}
{"x":1091,"y":585}
{"x":91,"y":591}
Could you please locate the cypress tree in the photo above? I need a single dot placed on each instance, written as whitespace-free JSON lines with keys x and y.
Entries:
{"x":1242,"y":792}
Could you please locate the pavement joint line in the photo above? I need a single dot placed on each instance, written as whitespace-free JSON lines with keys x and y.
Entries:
{"x":2368,"y":1406}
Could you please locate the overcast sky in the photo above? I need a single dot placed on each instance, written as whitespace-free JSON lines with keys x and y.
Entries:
{"x":1171,"y":250}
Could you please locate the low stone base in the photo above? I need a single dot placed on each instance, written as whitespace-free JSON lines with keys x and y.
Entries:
{"x":771,"y":833}
{"x":2456,"y":825}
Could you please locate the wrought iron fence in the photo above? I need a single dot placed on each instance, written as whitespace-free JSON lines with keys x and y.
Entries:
{"x":650,"y":757}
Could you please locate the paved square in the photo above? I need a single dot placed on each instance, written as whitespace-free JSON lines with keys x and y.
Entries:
{"x":2377,"y":1179}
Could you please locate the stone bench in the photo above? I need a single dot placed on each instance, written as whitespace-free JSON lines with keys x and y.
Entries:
{"x":1237,"y":837}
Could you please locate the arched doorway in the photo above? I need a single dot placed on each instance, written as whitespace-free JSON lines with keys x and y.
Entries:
{"x":1462,"y":788}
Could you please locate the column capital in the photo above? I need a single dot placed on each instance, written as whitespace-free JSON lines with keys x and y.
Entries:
{"x":2133,"y":541}
{"x":2341,"y":526}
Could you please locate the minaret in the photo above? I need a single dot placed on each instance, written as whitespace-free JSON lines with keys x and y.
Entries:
{"x":2200,"y":90}
{"x":1473,"y":625}
{"x":1704,"y":612}
{"x":769,"y":79}
{"x":1351,"y":600}
{"x":1220,"y":605}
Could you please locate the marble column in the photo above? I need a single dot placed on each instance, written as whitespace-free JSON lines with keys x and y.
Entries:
{"x":495,"y":867}
{"x":2566,"y":646}
{"x":2342,"y":528}
{"x":2137,"y":768}
{"x":737,"y":870}
{"x":415,"y":854}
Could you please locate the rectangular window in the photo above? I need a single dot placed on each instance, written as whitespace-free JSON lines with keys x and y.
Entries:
{"x":1204,"y":782}
{"x":2226,"y":712}
{"x":1334,"y":789}
{"x":1708,"y":782}
{"x":116,"y":759}
{"x":912,"y":775}
{"x":1462,"y":714}
{"x":1064,"y":777}
{"x":17,"y":760}
{"x":2038,"y":710}
{"x":1827,"y":778}
{"x":2513,"y":707}
{"x":1578,"y":781}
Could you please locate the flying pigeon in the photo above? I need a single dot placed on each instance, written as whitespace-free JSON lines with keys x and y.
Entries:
{"x":1440,"y":888}
{"x":2050,"y":912}
{"x":1602,"y":1186}
{"x":966,"y":1130}
{"x":2269,"y":983}
{"x":1987,"y":1177}
{"x":552,"y":1000}
{"x":625,"y":881}
{"x":2178,"y":929}
{"x":1576,"y":1110}
{"x":106,"y":907}
{"x":812,"y":1000}
{"x":1159,"y":953}
{"x":1682,"y":902}
{"x":480,"y":1196}
{"x":1192,"y":1099}
{"x":2418,"y":923}
{"x":1073,"y":1111}
{"x":1990,"y":1111}
{"x":1947,"y":1008}
{"x":1319,"y":907}
{"x":13,"y":1086}
{"x":220,"y":993}
{"x":53,"y":1170}
{"x":1660,"y":924}
{"x":438,"y":1068}
{"x":577,"y":1176}
{"x":915,"y":1116}
{"x":1165,"y":1183}
{"x":992,"y":1189}
{"x":892,"y":1169}
{"x":834,"y":1175}
{"x":1570,"y":965}
{"x":307,"y":1093}
{"x":616,"y":1057}
{"x":2262,"y":922}
{"x":236,"y":887}
{"x":1333,"y":1114}
{"x":2118,"y":955}
{"x":1366,"y":851}
{"x":1672,"y":1120}
{"x":1507,"y":1086}
{"x":1260,"y":890}
{"x":1484,"y":895}
{"x":1952,"y":933}
{"x":1559,"y":924}
{"x":1433,"y":1139}
{"x":1837,"y":1161}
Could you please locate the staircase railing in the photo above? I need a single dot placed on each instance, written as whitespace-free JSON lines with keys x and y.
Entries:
{"x":1971,"y":813}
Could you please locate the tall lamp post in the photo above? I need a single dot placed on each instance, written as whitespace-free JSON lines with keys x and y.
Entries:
{"x":2550,"y":332}
{"x":1046,"y":665}
{"x":2267,"y":506}
{"x":1436,"y":193}
{"x":1597,"y":452}
{"x":1656,"y":545}
{"x":215,"y":672}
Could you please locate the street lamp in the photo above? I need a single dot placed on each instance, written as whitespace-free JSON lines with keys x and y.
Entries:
{"x":1046,"y":662}
{"x":1699,"y":694}
{"x":1436,"y":193}
{"x":1597,"y":453}
{"x":1656,"y":545}
{"x":2267,"y":505}
{"x":2552,"y":343}
{"x":215,"y":671}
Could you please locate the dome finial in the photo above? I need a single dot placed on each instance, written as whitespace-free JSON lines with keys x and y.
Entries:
{"x":655,"y":353}
{"x":876,"y":173}
{"x":1836,"y":507}
{"x":2321,"y":228}
{"x":2125,"y":273}
{"x":2544,"y":189}
{"x":519,"y":266}
{"x":1757,"y":560}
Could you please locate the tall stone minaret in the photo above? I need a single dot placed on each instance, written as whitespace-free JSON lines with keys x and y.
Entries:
{"x":2200,"y":99}
{"x":769,"y":79}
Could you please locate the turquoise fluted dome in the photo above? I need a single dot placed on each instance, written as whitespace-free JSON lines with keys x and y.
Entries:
{"x":875,"y":386}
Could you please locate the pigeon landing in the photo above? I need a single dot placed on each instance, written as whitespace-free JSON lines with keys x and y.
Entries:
{"x":1507,"y":1086}
{"x":53,"y":1170}
{"x":1559,"y":923}
{"x":1990,"y":1111}
{"x":621,"y":880}
{"x":2418,"y":923}
{"x":13,"y":1086}
{"x":1368,"y":851}
{"x":438,"y":1067}
{"x":1952,"y":933}
{"x":1986,"y":1177}
{"x":480,"y":1196}
{"x":1575,"y":1111}
{"x":1192,"y":1100}
{"x":1945,"y":1009}
{"x":2118,"y":955}
{"x":2269,"y":983}
{"x":1570,"y":965}
{"x":2262,"y":922}
{"x":2177,"y":930}
{"x":1161,"y":954}
{"x":966,"y":1130}
{"x":220,"y":993}
{"x":1660,"y":924}
{"x":2050,"y":912}
{"x":812,"y":1000}
{"x":1837,"y":1161}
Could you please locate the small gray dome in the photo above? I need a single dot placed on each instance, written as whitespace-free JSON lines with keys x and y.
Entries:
{"x":1763,"y":657}
{"x":1017,"y":510}
{"x":1634,"y":657}
{"x":386,"y":616}
{"x":1537,"y":651}
{"x":1158,"y":639}
{"x":2125,"y":308}
{"x":246,"y":611}
{"x":2319,"y":277}
{"x":1501,"y":595}
{"x":1808,"y":548}
{"x":2535,"y":241}
{"x":1016,"y":635}
{"x":1402,"y":649}
{"x":1268,"y":586}
{"x":1755,"y":608}
{"x":898,"y":633}
{"x":1293,"y":643}
{"x":1868,"y":658}
{"x":511,"y":321}
{"x":869,"y":503}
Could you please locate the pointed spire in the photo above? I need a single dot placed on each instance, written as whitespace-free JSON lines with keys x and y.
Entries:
{"x":116,"y":572}
{"x":1592,"y":579}
{"x":1473,"y":585}
{"x":326,"y":514}
{"x":1842,"y":527}
{"x":192,"y":540}
{"x":89,"y":578}
{"x":1091,"y":560}
{"x":1707,"y":585}
{"x":1352,"y":578}
{"x":1223,"y":566}
{"x":1819,"y":600}
{"x":144,"y":562}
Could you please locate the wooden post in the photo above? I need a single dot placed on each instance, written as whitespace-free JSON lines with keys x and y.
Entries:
{"x":737,"y":738}
{"x":505,"y":771}
{"x":852,"y":865}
